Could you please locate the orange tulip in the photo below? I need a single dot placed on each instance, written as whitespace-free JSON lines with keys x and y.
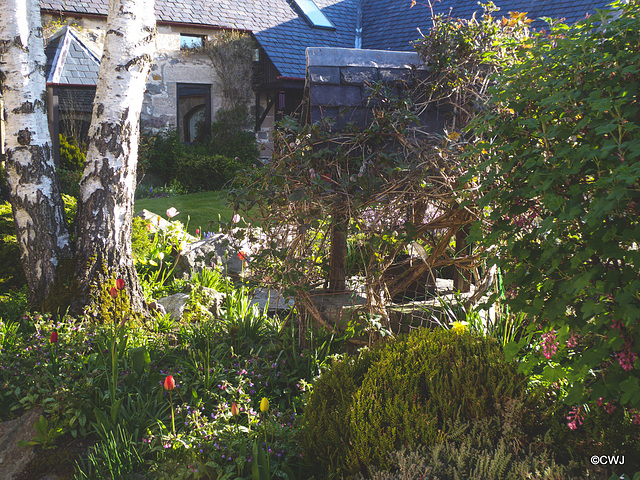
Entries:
{"x":235,"y":411}
{"x":169,"y":383}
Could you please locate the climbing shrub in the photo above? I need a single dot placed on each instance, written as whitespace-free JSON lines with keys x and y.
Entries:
{"x":560,"y":179}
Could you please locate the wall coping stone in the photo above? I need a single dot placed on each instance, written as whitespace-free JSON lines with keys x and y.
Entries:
{"x":350,"y":57}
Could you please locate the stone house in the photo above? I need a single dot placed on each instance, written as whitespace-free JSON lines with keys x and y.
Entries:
{"x":185,"y":88}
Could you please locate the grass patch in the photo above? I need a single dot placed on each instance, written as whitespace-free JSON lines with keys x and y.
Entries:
{"x":205,"y":209}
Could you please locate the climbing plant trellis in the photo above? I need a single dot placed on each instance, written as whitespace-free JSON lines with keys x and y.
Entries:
{"x":371,"y":216}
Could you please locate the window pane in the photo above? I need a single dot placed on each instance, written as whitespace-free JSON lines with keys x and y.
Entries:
{"x":190,"y":42}
{"x":313,"y":14}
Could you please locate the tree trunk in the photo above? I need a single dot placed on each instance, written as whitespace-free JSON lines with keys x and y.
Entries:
{"x":339,"y":225}
{"x":105,"y":206}
{"x":37,"y":205}
{"x":461,"y":276}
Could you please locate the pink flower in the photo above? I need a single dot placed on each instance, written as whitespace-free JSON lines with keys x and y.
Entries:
{"x":312,"y":173}
{"x":636,"y":416}
{"x":235,"y":218}
{"x":573,"y":340}
{"x":549,"y":344}
{"x":626,"y":358}
{"x":197,"y":231}
{"x":617,"y":324}
{"x":574,"y":418}
{"x":172,"y":212}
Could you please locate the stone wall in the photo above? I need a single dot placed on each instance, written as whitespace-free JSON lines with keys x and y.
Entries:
{"x":338,"y":80}
{"x":171,"y":66}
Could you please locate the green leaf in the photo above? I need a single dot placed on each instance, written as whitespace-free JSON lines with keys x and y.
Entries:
{"x":511,"y":350}
{"x":255,"y":467}
{"x":115,"y":408}
{"x":140,"y":358}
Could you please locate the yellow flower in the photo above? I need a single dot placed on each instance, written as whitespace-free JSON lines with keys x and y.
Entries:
{"x":459,"y":327}
{"x":264,"y":404}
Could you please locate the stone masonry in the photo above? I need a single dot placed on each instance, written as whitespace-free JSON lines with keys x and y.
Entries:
{"x":339,"y":79}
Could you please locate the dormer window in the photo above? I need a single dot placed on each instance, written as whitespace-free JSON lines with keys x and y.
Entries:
{"x":313,"y":15}
{"x":191,"y":42}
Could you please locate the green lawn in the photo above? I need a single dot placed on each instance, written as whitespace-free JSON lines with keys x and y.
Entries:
{"x":204,"y":209}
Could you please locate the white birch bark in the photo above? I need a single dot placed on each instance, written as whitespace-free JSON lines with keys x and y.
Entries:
{"x":105,"y":206}
{"x":37,"y":206}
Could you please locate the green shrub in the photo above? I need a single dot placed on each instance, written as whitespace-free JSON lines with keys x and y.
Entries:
{"x":71,"y":157}
{"x":69,"y":181}
{"x":326,"y":418}
{"x":477,"y":449}
{"x":12,"y":275}
{"x":228,"y":136}
{"x":420,"y":384}
{"x":409,"y":394}
{"x":200,"y":171}
{"x":141,"y":242}
{"x":559,"y":170}
{"x":206,"y":165}
{"x":13,"y":306}
{"x":159,"y":154}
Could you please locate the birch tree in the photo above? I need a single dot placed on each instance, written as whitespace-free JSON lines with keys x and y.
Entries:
{"x":105,"y":206}
{"x":36,"y":202}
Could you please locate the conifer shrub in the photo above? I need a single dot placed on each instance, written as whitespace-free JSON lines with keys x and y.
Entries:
{"x":413,"y":394}
{"x":409,"y":392}
{"x":483,"y":448}
{"x":326,"y":417}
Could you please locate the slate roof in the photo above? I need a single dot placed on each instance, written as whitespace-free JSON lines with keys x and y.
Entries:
{"x":69,"y":61}
{"x":284,"y":34}
{"x":279,"y":28}
{"x":393,"y":24}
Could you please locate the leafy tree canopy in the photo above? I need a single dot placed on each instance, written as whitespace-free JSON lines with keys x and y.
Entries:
{"x":560,"y":180}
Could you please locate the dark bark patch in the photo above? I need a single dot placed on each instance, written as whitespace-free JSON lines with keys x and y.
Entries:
{"x":25,"y":107}
{"x":99,"y":109}
{"x":24,"y":137}
{"x":142,"y":60}
{"x":115,"y":32}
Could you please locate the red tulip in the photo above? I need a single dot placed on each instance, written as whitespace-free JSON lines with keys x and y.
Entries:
{"x":113,"y":292}
{"x":54,"y":337}
{"x":235,"y":411}
{"x":169,"y":383}
{"x":242,"y":256}
{"x":120,"y":284}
